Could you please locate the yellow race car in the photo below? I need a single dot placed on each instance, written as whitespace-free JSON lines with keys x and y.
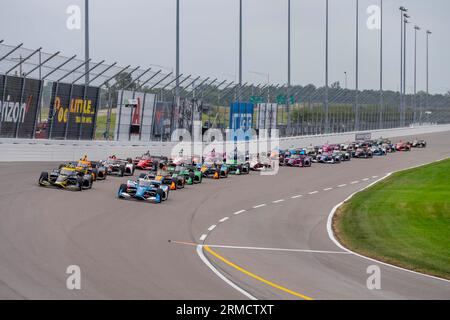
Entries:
{"x":67,"y":177}
{"x":98,"y":170}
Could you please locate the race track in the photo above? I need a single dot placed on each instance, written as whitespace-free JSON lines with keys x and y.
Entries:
{"x":123,"y":248}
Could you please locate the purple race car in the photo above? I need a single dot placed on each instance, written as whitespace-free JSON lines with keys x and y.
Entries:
{"x":298,"y":160}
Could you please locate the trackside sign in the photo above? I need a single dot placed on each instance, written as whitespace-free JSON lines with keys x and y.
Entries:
{"x":73,"y":110}
{"x":19,"y":101}
{"x":363,"y":136}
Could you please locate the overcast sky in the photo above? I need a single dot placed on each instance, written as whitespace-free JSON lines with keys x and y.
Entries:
{"x":142,"y":32}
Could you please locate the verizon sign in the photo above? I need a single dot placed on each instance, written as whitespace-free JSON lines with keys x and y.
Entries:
{"x":18,"y":106}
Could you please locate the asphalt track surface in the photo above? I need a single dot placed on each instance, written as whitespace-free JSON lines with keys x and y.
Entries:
{"x":123,"y":248}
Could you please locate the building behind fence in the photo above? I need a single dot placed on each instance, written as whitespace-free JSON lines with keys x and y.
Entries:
{"x":50,"y":96}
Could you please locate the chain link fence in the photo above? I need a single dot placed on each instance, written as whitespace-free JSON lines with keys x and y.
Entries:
{"x":87,"y":99}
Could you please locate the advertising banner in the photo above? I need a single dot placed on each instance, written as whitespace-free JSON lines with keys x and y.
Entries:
{"x":134,"y":118}
{"x":241,"y":116}
{"x":189,"y":110}
{"x":267,"y":115}
{"x":163,"y":118}
{"x":19,"y":104}
{"x":73,"y":112}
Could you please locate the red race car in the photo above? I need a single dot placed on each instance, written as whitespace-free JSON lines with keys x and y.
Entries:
{"x":147,"y":162}
{"x":403,"y":146}
{"x":144,"y":163}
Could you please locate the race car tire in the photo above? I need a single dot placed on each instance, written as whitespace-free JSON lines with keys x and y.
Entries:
{"x":95,"y":173}
{"x":166,"y":195}
{"x":159,"y":196}
{"x":142,"y":176}
{"x":180,"y":183}
{"x":80,"y":183}
{"x":122,"y":188}
{"x":87,"y":183}
{"x":121,"y":171}
{"x":43,"y":177}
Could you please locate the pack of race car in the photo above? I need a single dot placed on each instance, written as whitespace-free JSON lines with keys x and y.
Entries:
{"x":158,"y":175}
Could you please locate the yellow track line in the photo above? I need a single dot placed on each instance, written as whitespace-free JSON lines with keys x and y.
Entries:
{"x":254,"y":276}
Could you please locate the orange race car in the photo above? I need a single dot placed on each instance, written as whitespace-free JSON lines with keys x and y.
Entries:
{"x":98,"y":170}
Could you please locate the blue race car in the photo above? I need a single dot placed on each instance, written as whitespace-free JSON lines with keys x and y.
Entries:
{"x":144,"y":189}
{"x":330,"y":158}
{"x":379,"y":151}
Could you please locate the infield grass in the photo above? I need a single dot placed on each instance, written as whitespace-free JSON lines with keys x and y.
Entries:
{"x":403,"y":220}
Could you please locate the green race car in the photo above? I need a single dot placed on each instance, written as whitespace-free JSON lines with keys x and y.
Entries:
{"x":238,"y":167}
{"x":190,"y":173}
{"x":237,"y":163}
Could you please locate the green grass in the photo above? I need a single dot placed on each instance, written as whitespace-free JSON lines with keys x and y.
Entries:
{"x":403,"y":220}
{"x":101,"y":126}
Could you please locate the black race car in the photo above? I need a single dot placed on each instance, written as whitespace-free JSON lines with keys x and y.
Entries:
{"x":419,"y":144}
{"x":118,"y":167}
{"x":68,"y":177}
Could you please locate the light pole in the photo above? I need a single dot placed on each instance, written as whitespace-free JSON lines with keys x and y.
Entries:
{"x":427,"y":105}
{"x":288,"y":87}
{"x":345,"y":74}
{"x":416,"y":28}
{"x":404,"y":69}
{"x":380,"y":116}
{"x":240,"y":49}
{"x":402,"y":12}
{"x":326,"y":69}
{"x":357,"y":69}
{"x":177,"y":67}
{"x":86,"y":40}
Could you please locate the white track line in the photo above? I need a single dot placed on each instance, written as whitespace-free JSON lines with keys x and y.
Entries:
{"x":354,"y":182}
{"x":366,"y":179}
{"x":330,"y":235}
{"x":259,"y":206}
{"x":337,"y":243}
{"x":276,"y":249}
{"x":327,"y":189}
{"x":313,"y":192}
{"x":212,"y":227}
{"x":223,"y":219}
{"x":278,"y":201}
{"x":221,"y":276}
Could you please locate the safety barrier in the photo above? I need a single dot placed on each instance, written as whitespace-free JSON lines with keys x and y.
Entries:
{"x":51,"y":150}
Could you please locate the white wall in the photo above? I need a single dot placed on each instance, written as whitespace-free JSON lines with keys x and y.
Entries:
{"x":51,"y":150}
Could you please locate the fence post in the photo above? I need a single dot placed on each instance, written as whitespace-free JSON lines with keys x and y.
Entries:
{"x":16,"y":134}
{"x":69,"y":106}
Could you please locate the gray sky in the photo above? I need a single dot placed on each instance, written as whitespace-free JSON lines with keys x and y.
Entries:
{"x":142,"y":32}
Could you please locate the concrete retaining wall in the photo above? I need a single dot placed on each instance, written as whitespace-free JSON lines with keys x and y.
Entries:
{"x":51,"y":150}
